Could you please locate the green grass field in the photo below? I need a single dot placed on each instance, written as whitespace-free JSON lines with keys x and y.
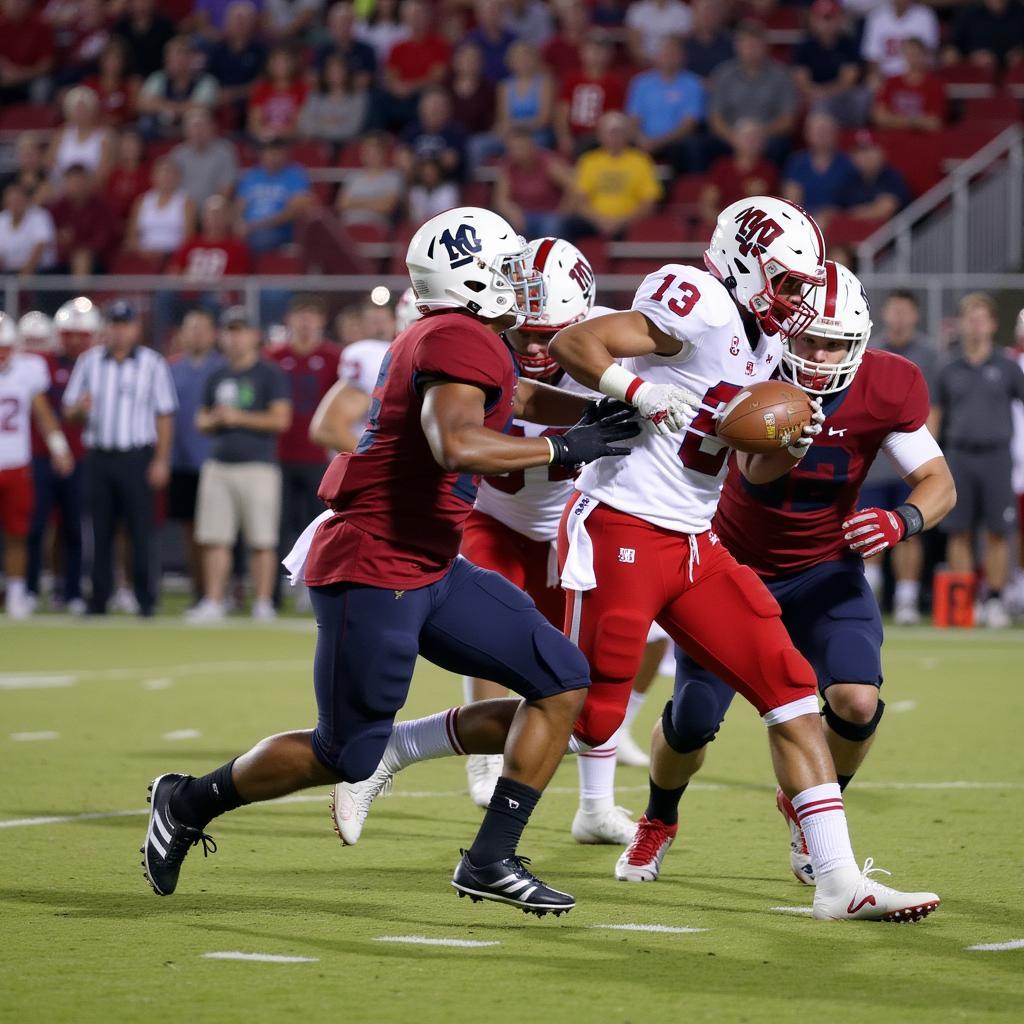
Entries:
{"x":940,"y":803}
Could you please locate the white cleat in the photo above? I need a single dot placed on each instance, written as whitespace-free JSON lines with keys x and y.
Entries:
{"x":263,"y":611}
{"x":613,"y":826}
{"x":641,"y":860}
{"x":629,"y":752}
{"x":906,"y":614}
{"x":124,"y":600}
{"x":864,"y":899}
{"x":205,"y":611}
{"x":799,"y":856}
{"x":482,"y":774}
{"x":994,"y":614}
{"x":350,"y":803}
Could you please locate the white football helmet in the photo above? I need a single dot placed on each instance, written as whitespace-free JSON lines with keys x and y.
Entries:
{"x":769,"y":253}
{"x":78,"y":324}
{"x":843,"y":314}
{"x":9,"y":338}
{"x":36,"y":331}
{"x":472,"y":259}
{"x":405,"y":311}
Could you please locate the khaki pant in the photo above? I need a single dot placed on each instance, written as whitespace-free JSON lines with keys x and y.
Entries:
{"x":239,"y":495}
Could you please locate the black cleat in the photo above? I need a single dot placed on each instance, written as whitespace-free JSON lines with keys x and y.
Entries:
{"x":509,"y":881}
{"x":167,"y":840}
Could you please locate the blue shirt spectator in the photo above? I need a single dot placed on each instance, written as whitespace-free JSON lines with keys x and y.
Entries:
{"x":190,"y":371}
{"x":661,"y":101}
{"x":875,"y":190}
{"x":359,"y":57}
{"x":214,"y":13}
{"x":269,"y":198}
{"x":492,"y":37}
{"x":708,"y":44}
{"x":815,"y":177}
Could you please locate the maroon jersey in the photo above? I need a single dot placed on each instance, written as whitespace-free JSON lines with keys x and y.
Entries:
{"x":60,"y":367}
{"x":399,"y":514}
{"x":795,"y":522}
{"x":310,"y":377}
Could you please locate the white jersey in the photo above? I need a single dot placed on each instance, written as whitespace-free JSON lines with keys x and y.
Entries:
{"x":1017,"y":444}
{"x":26,"y":376}
{"x":674,"y":480}
{"x":360,"y":366}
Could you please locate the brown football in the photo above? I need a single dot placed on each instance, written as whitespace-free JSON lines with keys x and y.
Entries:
{"x":764,"y":417}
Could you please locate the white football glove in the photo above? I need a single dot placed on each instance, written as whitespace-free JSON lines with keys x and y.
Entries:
{"x":668,"y":407}
{"x":798,"y":449}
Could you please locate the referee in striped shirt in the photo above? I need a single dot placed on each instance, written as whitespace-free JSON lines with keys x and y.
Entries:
{"x":124,"y":394}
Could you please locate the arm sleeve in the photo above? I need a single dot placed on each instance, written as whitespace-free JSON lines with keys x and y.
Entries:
{"x":914,"y":405}
{"x":76,"y":383}
{"x":164,"y":394}
{"x":464,"y":354}
{"x":908,"y":450}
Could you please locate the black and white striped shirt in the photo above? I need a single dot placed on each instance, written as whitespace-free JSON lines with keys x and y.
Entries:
{"x":126,"y":397}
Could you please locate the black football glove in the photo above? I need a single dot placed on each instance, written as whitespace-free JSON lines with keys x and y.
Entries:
{"x":602,"y":424}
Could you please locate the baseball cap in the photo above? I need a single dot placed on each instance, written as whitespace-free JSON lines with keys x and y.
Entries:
{"x":120,"y":311}
{"x":235,"y":316}
{"x":826,"y":8}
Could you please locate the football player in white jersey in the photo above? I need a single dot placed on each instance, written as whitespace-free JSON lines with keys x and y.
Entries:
{"x":24,"y":381}
{"x":341,"y":416}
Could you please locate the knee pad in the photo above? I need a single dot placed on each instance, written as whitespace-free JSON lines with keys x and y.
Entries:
{"x":691,"y":720}
{"x":855,"y":732}
{"x":355,"y":756}
{"x":603,"y":712}
{"x":618,"y":646}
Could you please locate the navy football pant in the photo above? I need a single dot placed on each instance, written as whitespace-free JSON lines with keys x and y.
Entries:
{"x":832,"y":618}
{"x":471,"y":622}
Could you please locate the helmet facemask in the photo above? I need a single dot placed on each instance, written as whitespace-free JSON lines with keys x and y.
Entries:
{"x":782,"y":306}
{"x":527,"y":285}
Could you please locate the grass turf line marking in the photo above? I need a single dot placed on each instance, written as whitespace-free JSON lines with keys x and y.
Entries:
{"x":996,"y":947}
{"x":33,"y":681}
{"x":422,"y":940}
{"x":181,"y":734}
{"x":263,"y":958}
{"x":157,"y":684}
{"x":29,"y":737}
{"x":791,"y":910}
{"x":648,"y":928}
{"x":897,"y":707}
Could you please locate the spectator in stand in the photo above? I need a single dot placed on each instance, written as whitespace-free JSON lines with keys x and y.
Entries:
{"x":162,"y":217}
{"x":667,"y":106}
{"x":816,"y":177}
{"x":310,"y":364}
{"x":28,"y":240}
{"x":87,"y":35}
{"x":167,"y":95}
{"x":434,"y":134}
{"x":419,"y":61}
{"x":383,"y":29}
{"x":270,"y":197}
{"x":531,"y":186}
{"x":210,"y":18}
{"x":827,"y":66}
{"x":373,"y":193}
{"x":915,"y":100}
{"x":336,"y":110}
{"x":876,"y":190}
{"x":885,"y":28}
{"x":972,"y":404}
{"x":708,"y":44}
{"x":85,"y":224}
{"x":650,"y":21}
{"x":359,"y":58}
{"x":245,"y":408}
{"x":753,"y":85}
{"x":83,"y":140}
{"x":26,"y":52}
{"x":525,"y":96}
{"x":145,"y":33}
{"x":196,"y":361}
{"x":237,"y":60}
{"x":563,"y":51}
{"x":291,"y":21}
{"x":493,"y":38}
{"x":615,"y":184}
{"x":745,"y":173}
{"x":529,"y":20}
{"x":116,"y":90}
{"x":587,"y":94}
{"x":207,"y":163}
{"x":472,"y":96}
{"x":429,"y":192}
{"x":30,"y":170}
{"x":129,"y":179}
{"x":348,"y":325}
{"x":989,"y":33}
{"x":276,"y":101}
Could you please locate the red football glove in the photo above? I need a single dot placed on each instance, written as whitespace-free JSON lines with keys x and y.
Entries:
{"x":873,"y":530}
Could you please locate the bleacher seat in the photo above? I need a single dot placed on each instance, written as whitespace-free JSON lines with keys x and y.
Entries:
{"x":137,"y":263}
{"x":477,"y":193}
{"x":310,"y":153}
{"x":964,"y":80}
{"x":637,"y":267}
{"x":684,"y":196}
{"x":660,"y":228}
{"x":27,"y":117}
{"x":843,"y":229}
{"x":596,"y":251}
{"x":278,"y":263}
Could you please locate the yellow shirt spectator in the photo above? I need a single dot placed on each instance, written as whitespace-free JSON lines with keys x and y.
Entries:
{"x":617,"y":186}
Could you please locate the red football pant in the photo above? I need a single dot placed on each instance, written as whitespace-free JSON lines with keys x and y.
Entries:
{"x":524,"y":562}
{"x":17,"y":499}
{"x":717,"y":610}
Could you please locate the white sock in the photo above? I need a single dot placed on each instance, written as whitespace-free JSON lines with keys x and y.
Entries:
{"x":873,"y":572}
{"x":636,"y":702}
{"x":823,"y":819}
{"x":468,"y":696}
{"x":597,"y":777}
{"x":16,"y":590}
{"x":421,"y":740}
{"x":907,"y":592}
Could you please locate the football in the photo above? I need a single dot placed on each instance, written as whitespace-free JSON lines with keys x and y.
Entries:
{"x":764,"y":417}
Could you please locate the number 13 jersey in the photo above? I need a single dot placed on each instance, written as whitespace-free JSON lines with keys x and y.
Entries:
{"x":674,"y":480}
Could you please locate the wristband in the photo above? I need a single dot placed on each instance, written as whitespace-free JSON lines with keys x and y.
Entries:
{"x":618,"y":382}
{"x":58,"y":445}
{"x":551,"y":450}
{"x":912,"y":518}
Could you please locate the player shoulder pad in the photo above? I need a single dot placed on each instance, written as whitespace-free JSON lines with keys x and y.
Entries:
{"x":683,"y":301}
{"x":597,"y":311}
{"x":893,"y":385}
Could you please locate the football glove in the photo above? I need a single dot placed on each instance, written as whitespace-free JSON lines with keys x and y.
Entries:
{"x":872,"y":530}
{"x":668,"y":407}
{"x":602,"y":424}
{"x":798,"y":449}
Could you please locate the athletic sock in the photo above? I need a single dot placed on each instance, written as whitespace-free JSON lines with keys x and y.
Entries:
{"x":597,"y":777}
{"x":844,"y":781}
{"x":422,"y":740}
{"x":873,"y":573}
{"x":197,"y":802}
{"x":907,"y":592}
{"x":467,"y":690}
{"x":823,"y":820}
{"x":663,"y":804}
{"x":507,"y":814}
{"x":636,"y":702}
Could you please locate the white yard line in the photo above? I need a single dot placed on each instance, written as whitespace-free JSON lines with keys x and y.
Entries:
{"x":997,"y":947}
{"x":263,"y":958}
{"x":668,"y":929}
{"x":31,"y":737}
{"x":162,"y":675}
{"x":899,"y":707}
{"x":181,"y":734}
{"x":422,"y":940}
{"x":35,"y":681}
{"x":792,"y":910}
{"x":157,"y":684}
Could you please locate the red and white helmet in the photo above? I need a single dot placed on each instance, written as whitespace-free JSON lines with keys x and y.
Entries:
{"x":470,"y":258}
{"x":9,"y":339}
{"x":569,"y":292}
{"x":78,"y":324}
{"x":36,"y":331}
{"x":769,"y":253}
{"x":405,"y":310}
{"x":842,"y":314}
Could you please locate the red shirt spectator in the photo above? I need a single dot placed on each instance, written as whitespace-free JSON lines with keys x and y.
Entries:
{"x":586,"y":94}
{"x":129,"y":179}
{"x":213,"y":251}
{"x":311,"y":375}
{"x":563,"y":51}
{"x":115,"y":89}
{"x":26,"y":48}
{"x":85,"y":223}
{"x":916,"y":99}
{"x":418,"y":59}
{"x":276,"y":101}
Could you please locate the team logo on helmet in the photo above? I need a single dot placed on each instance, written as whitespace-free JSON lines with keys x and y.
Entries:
{"x":582,"y":274}
{"x":462,"y":246}
{"x":756,"y":231}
